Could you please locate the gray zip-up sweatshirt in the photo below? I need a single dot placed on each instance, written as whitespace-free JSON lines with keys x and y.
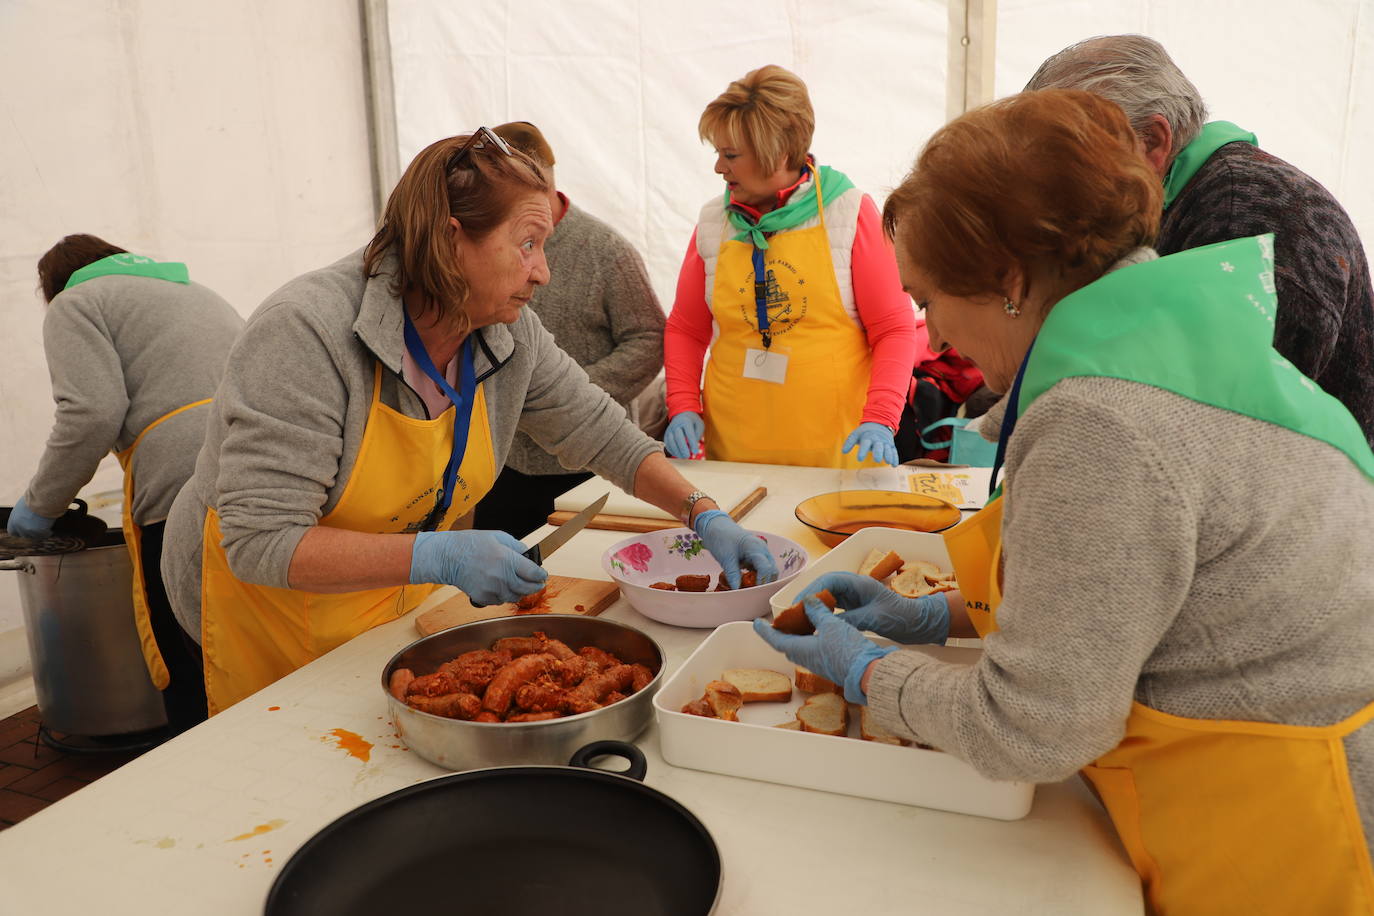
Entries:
{"x":289,"y":418}
{"x":1200,"y":562}
{"x":122,"y":352}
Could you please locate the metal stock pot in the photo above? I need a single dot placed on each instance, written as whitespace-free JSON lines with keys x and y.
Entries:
{"x":75,"y":589}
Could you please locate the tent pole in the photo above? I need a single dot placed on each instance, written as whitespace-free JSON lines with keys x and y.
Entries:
{"x":972,"y":55}
{"x":381,"y":101}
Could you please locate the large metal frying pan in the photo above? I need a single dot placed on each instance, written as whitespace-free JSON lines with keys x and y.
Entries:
{"x":545,"y":840}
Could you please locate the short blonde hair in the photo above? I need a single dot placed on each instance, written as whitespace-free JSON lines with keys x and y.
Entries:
{"x":769,"y":112}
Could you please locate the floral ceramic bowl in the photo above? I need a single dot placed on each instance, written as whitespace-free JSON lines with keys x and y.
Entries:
{"x":661,"y":556}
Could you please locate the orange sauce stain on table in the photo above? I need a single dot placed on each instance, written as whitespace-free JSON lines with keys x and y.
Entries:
{"x":273,"y":708}
{"x":259,"y":830}
{"x":353,"y":743}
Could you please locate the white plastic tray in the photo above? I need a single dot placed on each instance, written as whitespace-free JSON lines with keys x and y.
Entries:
{"x":753,"y":749}
{"x":910,"y":545}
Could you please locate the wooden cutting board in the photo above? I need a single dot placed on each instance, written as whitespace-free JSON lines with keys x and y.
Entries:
{"x":565,"y":595}
{"x":640,"y":524}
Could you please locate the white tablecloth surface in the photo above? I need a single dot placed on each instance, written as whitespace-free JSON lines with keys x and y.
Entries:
{"x":203,"y":823}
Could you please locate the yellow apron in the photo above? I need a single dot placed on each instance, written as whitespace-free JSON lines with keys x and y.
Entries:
{"x":1217,"y":816}
{"x":254,"y":634}
{"x":152,"y":657}
{"x":805,"y":419}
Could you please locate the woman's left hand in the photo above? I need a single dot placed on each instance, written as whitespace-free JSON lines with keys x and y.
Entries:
{"x":836,"y":651}
{"x":733,"y":547}
{"x":874,"y":440}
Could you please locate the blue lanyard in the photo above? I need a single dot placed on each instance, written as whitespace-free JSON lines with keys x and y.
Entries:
{"x":462,"y":412}
{"x":761,"y":297}
{"x":1008,"y":422}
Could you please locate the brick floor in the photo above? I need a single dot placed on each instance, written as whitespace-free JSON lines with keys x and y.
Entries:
{"x":34,"y":775}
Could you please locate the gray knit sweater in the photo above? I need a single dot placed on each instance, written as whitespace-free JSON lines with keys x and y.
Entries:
{"x":1201,"y":562}
{"x":122,"y":352}
{"x":601,"y":310}
{"x":287,"y":424}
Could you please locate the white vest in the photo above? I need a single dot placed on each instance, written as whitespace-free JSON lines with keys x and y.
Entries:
{"x":841,"y":224}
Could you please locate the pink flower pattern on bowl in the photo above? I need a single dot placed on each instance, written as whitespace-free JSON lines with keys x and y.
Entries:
{"x":636,"y":556}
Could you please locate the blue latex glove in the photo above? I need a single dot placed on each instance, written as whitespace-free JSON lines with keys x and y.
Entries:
{"x":871,"y":605}
{"x":486,"y":565}
{"x":682,"y":438}
{"x":873,"y":439}
{"x":836,"y":651}
{"x":25,"y":523}
{"x":732,"y":547}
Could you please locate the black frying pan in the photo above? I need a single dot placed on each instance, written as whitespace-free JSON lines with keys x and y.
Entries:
{"x":545,"y":840}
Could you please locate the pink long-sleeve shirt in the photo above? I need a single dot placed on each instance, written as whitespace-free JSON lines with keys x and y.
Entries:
{"x":885,"y":312}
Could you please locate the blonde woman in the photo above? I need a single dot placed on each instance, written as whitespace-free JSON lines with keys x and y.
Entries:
{"x":791,"y":285}
{"x":369,"y":405}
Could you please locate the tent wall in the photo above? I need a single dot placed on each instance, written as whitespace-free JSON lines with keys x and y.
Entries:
{"x":229,"y":136}
{"x":618,"y":87}
{"x":1299,"y":75}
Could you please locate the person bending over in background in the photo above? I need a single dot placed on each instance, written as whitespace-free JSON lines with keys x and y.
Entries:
{"x":1219,"y":185}
{"x":135,"y":351}
{"x":790,"y":283}
{"x":1163,"y":605}
{"x":601,"y":311}
{"x":367,"y":408}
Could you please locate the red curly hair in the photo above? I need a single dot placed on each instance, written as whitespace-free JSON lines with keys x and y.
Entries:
{"x":1046,"y":181}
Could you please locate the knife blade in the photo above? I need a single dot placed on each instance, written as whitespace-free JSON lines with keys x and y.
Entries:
{"x":545,"y":548}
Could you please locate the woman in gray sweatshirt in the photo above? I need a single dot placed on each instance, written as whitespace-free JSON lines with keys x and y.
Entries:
{"x":1175,"y":585}
{"x":135,"y":351}
{"x":369,"y":405}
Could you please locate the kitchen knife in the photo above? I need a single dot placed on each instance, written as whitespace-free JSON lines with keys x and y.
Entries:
{"x":541,"y":551}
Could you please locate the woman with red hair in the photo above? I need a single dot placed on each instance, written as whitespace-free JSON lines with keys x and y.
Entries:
{"x":1164,"y":604}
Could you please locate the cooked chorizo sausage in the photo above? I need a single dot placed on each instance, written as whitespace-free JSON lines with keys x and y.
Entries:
{"x":501,"y":691}
{"x":450,"y":706}
{"x":400,"y":680}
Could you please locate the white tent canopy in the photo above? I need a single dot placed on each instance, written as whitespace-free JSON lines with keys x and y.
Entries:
{"x":617,"y":88}
{"x":236,"y":137}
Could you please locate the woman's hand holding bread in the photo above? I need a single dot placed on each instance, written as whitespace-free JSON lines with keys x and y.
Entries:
{"x":871,"y":605}
{"x":837,"y":651}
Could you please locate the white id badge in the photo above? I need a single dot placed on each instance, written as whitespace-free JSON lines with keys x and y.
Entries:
{"x":766,"y":366}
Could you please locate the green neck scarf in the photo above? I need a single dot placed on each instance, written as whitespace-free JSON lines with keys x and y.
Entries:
{"x":1199,"y":323}
{"x":135,"y":265}
{"x":1215,"y":135}
{"x":798,"y":209}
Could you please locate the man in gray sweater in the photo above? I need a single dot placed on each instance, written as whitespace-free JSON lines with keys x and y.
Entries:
{"x":602,"y":311}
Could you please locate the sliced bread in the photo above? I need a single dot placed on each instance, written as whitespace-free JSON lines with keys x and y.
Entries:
{"x":794,"y":620}
{"x":882,"y":565}
{"x":824,"y":714}
{"x":759,"y":685}
{"x":724,"y":699}
{"x":790,"y":725}
{"x":914,"y":580}
{"x":809,"y":681}
{"x":870,"y":730}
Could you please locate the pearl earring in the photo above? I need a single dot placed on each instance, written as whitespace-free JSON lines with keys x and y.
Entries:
{"x":1010,"y":308}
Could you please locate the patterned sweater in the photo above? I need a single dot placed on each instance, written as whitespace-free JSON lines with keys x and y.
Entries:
{"x":1325,"y":323}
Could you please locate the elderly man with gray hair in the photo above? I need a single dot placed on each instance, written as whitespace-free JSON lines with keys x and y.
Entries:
{"x":1219,"y":185}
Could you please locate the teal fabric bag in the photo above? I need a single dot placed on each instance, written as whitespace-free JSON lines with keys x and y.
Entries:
{"x":966,"y":446}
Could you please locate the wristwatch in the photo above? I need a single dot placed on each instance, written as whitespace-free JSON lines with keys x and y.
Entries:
{"x":687,"y":504}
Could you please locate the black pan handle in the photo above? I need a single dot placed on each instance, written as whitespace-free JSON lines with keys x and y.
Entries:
{"x":82,"y":510}
{"x":584,"y":756}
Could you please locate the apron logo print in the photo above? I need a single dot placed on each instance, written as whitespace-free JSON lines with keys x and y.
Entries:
{"x":784,"y":311}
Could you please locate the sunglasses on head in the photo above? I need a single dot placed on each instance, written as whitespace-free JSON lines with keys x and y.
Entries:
{"x":482,"y":138}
